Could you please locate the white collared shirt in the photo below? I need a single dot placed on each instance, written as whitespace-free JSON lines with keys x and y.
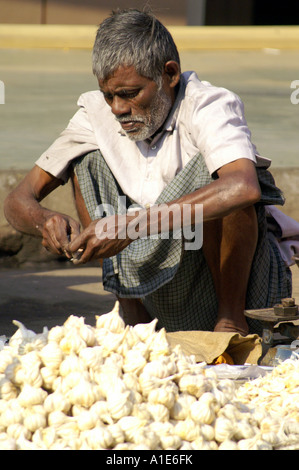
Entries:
{"x":204,"y":118}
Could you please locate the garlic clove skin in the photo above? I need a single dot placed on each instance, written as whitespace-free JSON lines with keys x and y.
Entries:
{"x":56,"y":334}
{"x":119,"y":404}
{"x":84,"y":393}
{"x":86,"y":420}
{"x":111,"y":321}
{"x":163,"y":396}
{"x":30,"y":396}
{"x":57,"y":418}
{"x":224,"y":429}
{"x":57,"y":402}
{"x":92,"y":356}
{"x":99,"y":438}
{"x":17,"y":431}
{"x":130,"y":425}
{"x":7,"y":443}
{"x":51,"y":355}
{"x":181,"y":407}
{"x":144,"y":331}
{"x":35,"y":421}
{"x":8,"y":391}
{"x":228,"y":445}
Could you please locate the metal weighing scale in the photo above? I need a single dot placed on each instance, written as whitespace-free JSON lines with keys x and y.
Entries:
{"x":285,"y":333}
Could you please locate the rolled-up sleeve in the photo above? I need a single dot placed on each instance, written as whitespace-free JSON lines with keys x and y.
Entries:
{"x":223,"y":135}
{"x":76,"y":140}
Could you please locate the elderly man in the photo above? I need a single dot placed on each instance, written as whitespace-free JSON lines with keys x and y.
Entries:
{"x":163,"y":141}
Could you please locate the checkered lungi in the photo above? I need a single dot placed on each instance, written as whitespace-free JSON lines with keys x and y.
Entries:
{"x":176,"y":285}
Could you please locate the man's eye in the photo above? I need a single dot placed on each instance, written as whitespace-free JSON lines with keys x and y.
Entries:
{"x":108,"y":97}
{"x":129,"y":94}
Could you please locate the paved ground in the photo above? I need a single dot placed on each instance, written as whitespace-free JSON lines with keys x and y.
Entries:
{"x":46,"y":298}
{"x":41,"y":298}
{"x":41,"y":89}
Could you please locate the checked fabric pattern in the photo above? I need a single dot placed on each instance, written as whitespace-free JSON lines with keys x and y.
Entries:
{"x":176,"y":285}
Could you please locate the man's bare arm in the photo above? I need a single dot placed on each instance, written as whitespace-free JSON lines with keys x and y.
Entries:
{"x":24,"y":212}
{"x":237,"y":187}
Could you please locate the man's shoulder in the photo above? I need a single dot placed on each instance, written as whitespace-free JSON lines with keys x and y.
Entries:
{"x":91,"y":98}
{"x":195,"y":88}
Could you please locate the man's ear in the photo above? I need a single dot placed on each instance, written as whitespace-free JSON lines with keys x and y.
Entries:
{"x":173,"y":71}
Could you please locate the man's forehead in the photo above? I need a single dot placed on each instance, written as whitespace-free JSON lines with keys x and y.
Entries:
{"x":124,"y":75}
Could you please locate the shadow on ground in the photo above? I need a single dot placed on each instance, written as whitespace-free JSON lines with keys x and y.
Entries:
{"x":47,"y":298}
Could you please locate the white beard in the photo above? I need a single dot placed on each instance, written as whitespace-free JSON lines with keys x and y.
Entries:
{"x":153,"y":120}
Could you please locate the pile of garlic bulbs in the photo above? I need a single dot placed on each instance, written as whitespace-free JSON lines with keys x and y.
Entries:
{"x":112,"y":386}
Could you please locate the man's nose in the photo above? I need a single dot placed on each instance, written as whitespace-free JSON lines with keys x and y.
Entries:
{"x":120,"y":106}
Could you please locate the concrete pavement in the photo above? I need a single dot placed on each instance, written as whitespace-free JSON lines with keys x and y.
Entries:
{"x":41,"y":298}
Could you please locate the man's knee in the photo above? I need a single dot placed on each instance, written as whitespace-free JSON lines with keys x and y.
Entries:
{"x":241,"y":227}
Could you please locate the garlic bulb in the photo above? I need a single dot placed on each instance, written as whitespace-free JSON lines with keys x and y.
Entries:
{"x":224,"y":429}
{"x":99,"y":438}
{"x":92,"y":356}
{"x":78,"y":387}
{"x":203,"y":411}
{"x":6,"y":358}
{"x":56,"y":334}
{"x":87,"y":334}
{"x":117,"y":433}
{"x":228,"y":445}
{"x":51,"y":355}
{"x":85,"y":394}
{"x":144,"y":331}
{"x":162,"y":395}
{"x":119,"y":404}
{"x":71,"y":363}
{"x":160,"y":368}
{"x":111,"y":321}
{"x":24,"y":337}
{"x":100,"y":410}
{"x":134,"y":362}
{"x":86,"y":420}
{"x":11,"y":415}
{"x":72,"y":343}
{"x":193,"y":384}
{"x":7,"y":443}
{"x":49,"y":376}
{"x":159,"y":346}
{"x":130,"y":425}
{"x":181,"y":406}
{"x":57,"y":401}
{"x":30,"y":396}
{"x":167,"y":436}
{"x":147,"y":438}
{"x":18,"y":431}
{"x":57,"y":418}
{"x":187,"y":430}
{"x":34,"y":421}
{"x":7,"y":389}
{"x":158,"y":412}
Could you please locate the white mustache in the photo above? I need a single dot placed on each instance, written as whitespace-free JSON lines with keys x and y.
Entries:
{"x":130,"y":119}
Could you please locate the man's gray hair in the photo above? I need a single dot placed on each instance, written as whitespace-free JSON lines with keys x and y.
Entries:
{"x":133,"y":38}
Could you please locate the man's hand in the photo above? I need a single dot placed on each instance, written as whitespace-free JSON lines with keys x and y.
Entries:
{"x":57,"y":233}
{"x":103,"y":238}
